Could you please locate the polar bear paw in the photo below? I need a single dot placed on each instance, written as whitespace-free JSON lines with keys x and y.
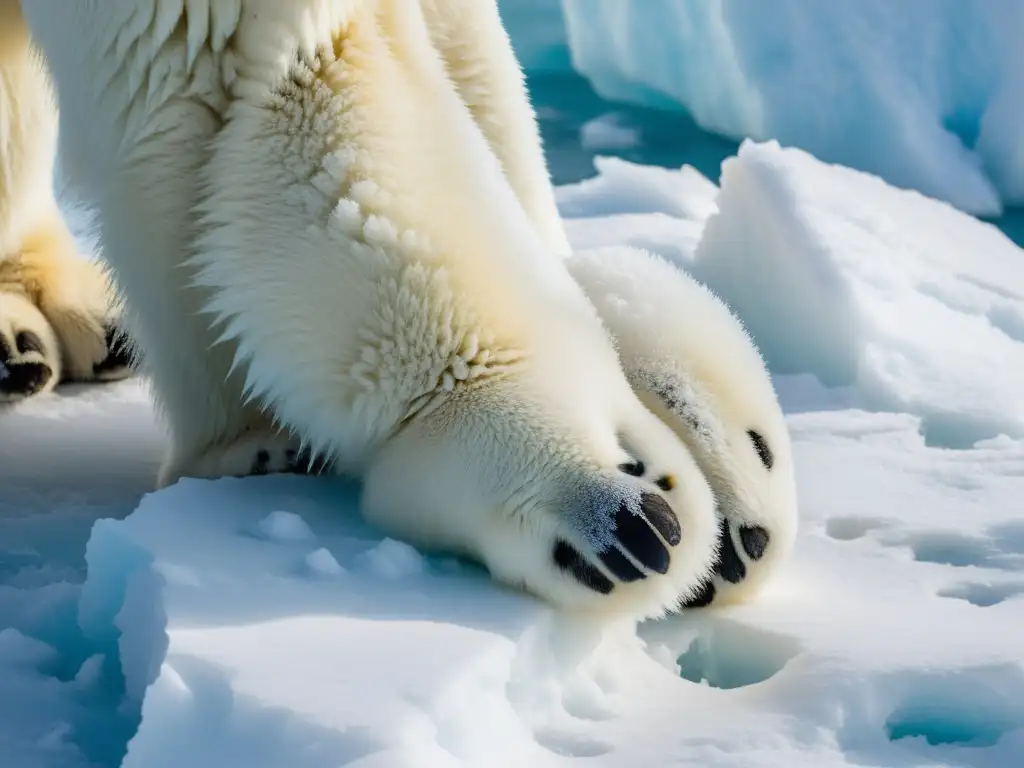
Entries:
{"x":628,"y":537}
{"x":262,"y":452}
{"x":29,"y":352}
{"x":629,"y":554}
{"x":641,"y":546}
{"x":740,"y":547}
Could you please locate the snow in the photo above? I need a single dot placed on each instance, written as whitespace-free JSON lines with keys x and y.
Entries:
{"x":926,"y":94}
{"x":260,"y":622}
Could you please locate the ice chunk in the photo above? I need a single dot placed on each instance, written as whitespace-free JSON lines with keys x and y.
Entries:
{"x":924,"y":93}
{"x":537,"y":30}
{"x":392,"y":559}
{"x":284,"y":526}
{"x":836,"y":273}
{"x":321,"y":562}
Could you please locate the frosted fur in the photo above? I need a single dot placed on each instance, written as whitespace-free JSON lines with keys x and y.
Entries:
{"x":313,"y":211}
{"x":693,"y":363}
{"x":56,"y":307}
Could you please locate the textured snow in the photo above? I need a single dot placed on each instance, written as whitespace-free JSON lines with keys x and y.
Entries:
{"x":927,"y":94}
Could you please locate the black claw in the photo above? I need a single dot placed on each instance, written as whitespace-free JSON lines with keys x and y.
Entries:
{"x":569,"y":559}
{"x":702,"y":598}
{"x":26,"y":342}
{"x":119,"y":354}
{"x":729,"y":567}
{"x":620,"y":565}
{"x":25,"y":378}
{"x":763,"y":451}
{"x":660,"y":515}
{"x":636,"y":536}
{"x":755,"y":540}
{"x":261,"y":463}
{"x":633,"y":468}
{"x":305,"y":463}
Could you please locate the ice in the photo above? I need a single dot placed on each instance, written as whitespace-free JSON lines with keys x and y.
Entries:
{"x":902,"y":297}
{"x":284,"y":526}
{"x":393,"y":560}
{"x":321,"y":562}
{"x":537,"y":30}
{"x":925,"y":93}
{"x":891,"y":638}
{"x":606,"y":133}
{"x":892,"y":300}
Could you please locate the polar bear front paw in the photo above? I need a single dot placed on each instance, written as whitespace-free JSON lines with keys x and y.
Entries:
{"x":254,"y":453}
{"x":653,"y":550}
{"x":641,"y":544}
{"x":29,"y":354}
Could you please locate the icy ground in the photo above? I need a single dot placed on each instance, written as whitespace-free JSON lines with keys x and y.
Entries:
{"x":927,"y":94}
{"x":259,"y":623}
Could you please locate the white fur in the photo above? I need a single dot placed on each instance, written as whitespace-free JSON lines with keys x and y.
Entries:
{"x":48,"y":292}
{"x":370,"y":275}
{"x":691,"y":361}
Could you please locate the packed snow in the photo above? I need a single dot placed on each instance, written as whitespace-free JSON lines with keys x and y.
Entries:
{"x":260,"y":622}
{"x":927,"y":94}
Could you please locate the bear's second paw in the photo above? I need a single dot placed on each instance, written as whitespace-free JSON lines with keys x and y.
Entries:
{"x":741,"y":546}
{"x":29,"y":356}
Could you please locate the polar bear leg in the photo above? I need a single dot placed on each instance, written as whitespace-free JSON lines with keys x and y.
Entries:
{"x":480,"y":60}
{"x":138,"y":152}
{"x":75,"y":295}
{"x":29,"y":357}
{"x":59,"y":307}
{"x":147,"y":239}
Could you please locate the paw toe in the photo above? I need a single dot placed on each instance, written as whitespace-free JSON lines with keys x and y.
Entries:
{"x":702,"y":598}
{"x":637,"y":536}
{"x":620,"y":565}
{"x":23,"y":379}
{"x":27,"y":341}
{"x":660,"y":515}
{"x":304,"y":462}
{"x":730,"y":567}
{"x":754,"y":539}
{"x":571,"y":561}
{"x":260,"y":463}
{"x":118,"y":359}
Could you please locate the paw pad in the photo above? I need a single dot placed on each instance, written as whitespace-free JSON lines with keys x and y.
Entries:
{"x":569,"y":559}
{"x":641,"y":538}
{"x":24,"y":379}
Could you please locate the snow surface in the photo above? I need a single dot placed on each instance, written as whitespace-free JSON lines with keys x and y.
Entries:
{"x":259,"y":622}
{"x":927,"y":94}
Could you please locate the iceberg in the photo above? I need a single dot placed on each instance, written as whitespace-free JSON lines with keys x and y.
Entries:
{"x":927,"y":94}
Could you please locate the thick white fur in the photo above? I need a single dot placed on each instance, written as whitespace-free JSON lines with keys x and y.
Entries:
{"x":47,"y":290}
{"x":376,"y":285}
{"x":692,"y":362}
